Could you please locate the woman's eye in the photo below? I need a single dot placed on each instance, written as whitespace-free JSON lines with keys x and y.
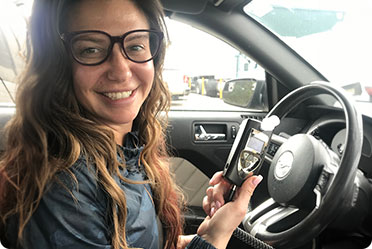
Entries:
{"x":135,"y":48}
{"x":88,"y":48}
{"x":89,"y":51}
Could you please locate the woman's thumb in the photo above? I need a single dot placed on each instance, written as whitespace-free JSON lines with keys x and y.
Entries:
{"x":248,"y":187}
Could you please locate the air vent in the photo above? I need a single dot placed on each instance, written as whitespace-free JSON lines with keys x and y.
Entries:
{"x":257,"y":117}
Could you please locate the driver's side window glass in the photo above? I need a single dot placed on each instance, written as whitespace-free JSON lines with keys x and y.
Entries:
{"x":202,"y":71}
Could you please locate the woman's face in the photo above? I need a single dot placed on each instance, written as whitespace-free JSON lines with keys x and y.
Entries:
{"x":114,"y":90}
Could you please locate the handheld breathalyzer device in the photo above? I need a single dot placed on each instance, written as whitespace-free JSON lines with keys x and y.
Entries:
{"x":248,"y":151}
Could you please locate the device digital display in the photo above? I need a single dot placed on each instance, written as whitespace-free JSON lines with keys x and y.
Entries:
{"x":256,"y":144}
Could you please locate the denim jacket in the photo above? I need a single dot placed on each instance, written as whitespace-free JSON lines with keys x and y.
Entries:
{"x":82,"y":220}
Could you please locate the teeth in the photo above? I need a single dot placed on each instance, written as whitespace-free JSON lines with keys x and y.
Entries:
{"x":118,"y":95}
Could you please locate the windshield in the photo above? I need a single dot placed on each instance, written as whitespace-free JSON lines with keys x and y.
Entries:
{"x":335,"y":36}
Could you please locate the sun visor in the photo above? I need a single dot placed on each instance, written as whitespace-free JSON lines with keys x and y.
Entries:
{"x":182,"y":6}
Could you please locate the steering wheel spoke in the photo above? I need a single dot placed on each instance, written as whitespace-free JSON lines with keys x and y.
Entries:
{"x":326,"y":176}
{"x":325,"y":179}
{"x":264,"y":216}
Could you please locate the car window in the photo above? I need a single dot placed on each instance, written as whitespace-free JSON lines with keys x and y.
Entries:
{"x":5,"y":56}
{"x":333,"y":35}
{"x":200,"y":71}
{"x":13,"y":29}
{"x":8,"y":68}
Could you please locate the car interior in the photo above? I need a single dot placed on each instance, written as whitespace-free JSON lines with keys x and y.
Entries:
{"x":346,"y":221}
{"x":316,"y":162}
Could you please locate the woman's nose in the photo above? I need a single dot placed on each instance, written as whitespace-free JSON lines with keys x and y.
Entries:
{"x":119,"y":66}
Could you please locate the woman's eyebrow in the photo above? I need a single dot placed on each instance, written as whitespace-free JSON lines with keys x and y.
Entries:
{"x":137,"y":36}
{"x":91,"y":38}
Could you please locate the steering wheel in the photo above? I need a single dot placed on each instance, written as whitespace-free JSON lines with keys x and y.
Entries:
{"x":308,"y":183}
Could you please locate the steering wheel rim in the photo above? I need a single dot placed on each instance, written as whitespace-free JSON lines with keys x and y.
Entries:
{"x":342,"y":183}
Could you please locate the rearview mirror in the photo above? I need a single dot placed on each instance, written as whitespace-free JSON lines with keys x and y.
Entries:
{"x":248,"y":93}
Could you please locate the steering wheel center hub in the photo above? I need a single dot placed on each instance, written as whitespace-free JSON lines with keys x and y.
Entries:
{"x":295,"y":170}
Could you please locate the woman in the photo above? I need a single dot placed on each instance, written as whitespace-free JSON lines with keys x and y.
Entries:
{"x":86,"y":164}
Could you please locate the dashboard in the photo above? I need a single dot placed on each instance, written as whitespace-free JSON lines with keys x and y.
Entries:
{"x":327,"y":124}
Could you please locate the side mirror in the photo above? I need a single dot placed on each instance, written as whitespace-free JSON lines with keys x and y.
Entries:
{"x":248,"y":93}
{"x":353,"y":88}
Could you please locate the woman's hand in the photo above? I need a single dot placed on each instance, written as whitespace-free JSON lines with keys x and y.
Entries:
{"x":223,"y":218}
{"x":216,"y":194}
{"x":184,"y":240}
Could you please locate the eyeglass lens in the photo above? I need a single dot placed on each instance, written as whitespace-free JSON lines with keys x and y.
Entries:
{"x":94,"y":47}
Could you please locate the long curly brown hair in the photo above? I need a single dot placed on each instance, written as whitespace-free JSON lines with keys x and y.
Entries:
{"x":50,"y":129}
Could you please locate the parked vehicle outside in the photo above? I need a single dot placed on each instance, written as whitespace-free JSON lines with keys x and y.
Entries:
{"x":206,"y":85}
{"x":176,"y":82}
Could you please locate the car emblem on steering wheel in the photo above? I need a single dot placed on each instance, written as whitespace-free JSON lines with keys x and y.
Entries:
{"x":283,"y":165}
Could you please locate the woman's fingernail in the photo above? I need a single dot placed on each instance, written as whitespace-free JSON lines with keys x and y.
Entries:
{"x":218,"y":205}
{"x":213,"y":210}
{"x":257,"y":180}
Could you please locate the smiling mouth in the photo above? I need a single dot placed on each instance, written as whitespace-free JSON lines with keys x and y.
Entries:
{"x":118,"y":95}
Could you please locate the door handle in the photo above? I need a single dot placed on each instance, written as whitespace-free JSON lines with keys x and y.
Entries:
{"x":202,"y":135}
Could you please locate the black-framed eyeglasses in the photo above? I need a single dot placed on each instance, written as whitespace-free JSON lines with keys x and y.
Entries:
{"x":93,"y":47}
